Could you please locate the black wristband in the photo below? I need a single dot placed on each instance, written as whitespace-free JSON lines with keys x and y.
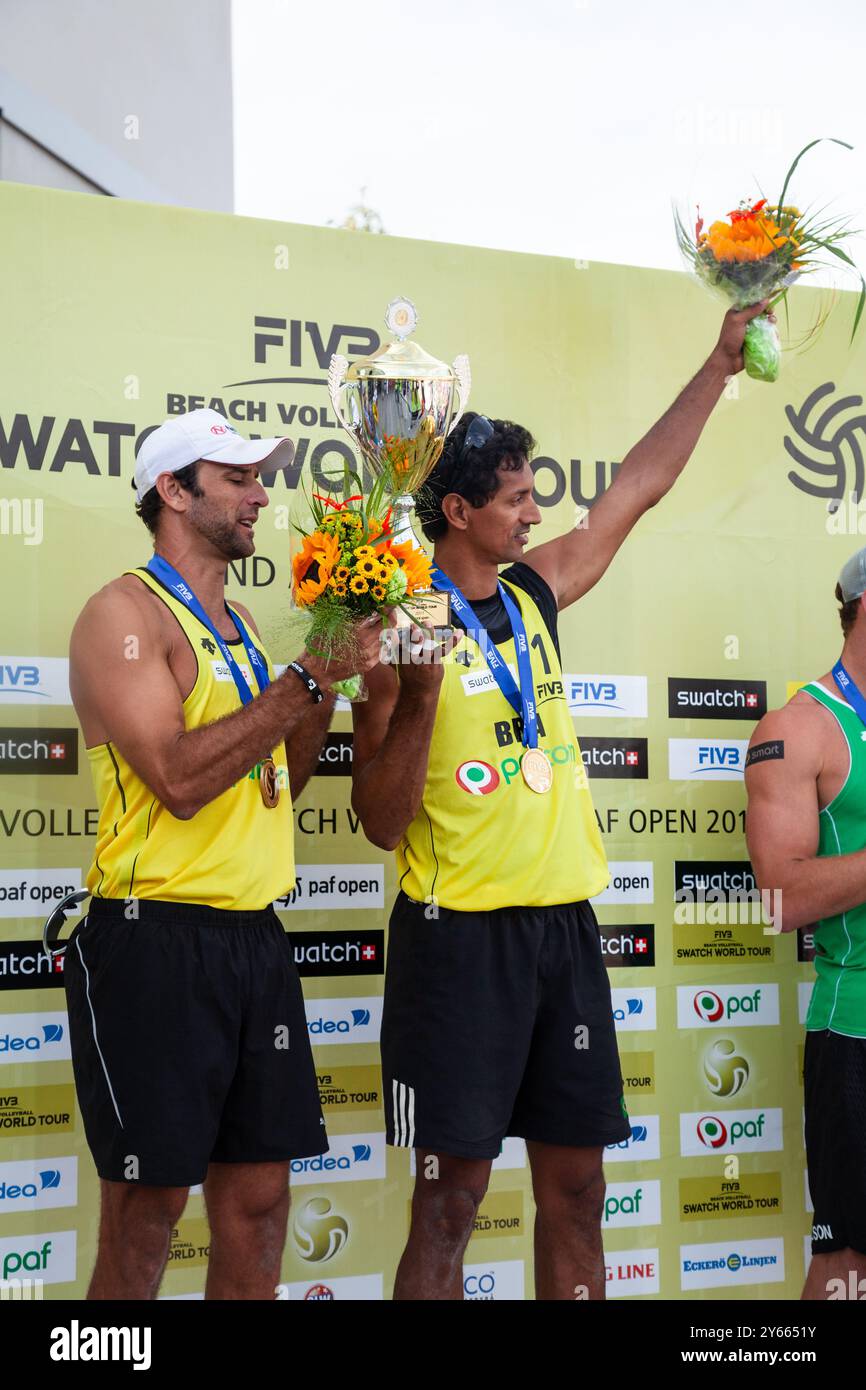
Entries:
{"x":308,"y":680}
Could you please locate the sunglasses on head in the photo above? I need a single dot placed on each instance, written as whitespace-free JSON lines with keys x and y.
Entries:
{"x":477,"y":434}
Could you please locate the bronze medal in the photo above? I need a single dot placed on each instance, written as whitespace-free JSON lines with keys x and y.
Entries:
{"x":269,"y":785}
{"x":536,"y":769}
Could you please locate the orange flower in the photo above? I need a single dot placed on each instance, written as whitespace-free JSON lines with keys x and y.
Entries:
{"x":746,"y":237}
{"x":313,"y":565}
{"x":414,"y":563}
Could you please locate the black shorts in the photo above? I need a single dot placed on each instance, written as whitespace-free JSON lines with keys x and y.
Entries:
{"x":189,"y":1041}
{"x":498,"y":1023}
{"x":835,"y":1095}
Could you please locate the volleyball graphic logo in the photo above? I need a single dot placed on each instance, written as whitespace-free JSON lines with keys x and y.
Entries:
{"x":711,"y":1131}
{"x":319,"y":1231}
{"x":477,"y":777}
{"x":725,"y":1071}
{"x":708,"y":1006}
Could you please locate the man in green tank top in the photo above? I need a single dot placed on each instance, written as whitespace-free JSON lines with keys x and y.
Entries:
{"x":806,"y":832}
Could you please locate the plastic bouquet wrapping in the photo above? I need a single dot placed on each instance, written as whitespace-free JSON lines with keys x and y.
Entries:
{"x":758,"y":254}
{"x":350,"y":566}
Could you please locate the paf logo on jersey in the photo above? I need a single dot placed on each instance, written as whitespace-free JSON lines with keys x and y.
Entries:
{"x":480,"y":778}
{"x":477,"y":777}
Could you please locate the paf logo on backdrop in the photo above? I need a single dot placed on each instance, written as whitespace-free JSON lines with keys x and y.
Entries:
{"x":750,"y":1005}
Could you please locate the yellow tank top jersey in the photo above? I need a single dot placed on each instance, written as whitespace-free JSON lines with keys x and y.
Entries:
{"x":482,"y":838}
{"x":234,"y":853}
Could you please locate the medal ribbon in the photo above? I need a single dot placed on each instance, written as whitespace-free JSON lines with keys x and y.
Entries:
{"x":168,"y":575}
{"x":522,"y":700}
{"x":850,"y":690}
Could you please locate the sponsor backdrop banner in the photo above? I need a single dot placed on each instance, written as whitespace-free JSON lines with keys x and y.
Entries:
{"x":720,"y":604}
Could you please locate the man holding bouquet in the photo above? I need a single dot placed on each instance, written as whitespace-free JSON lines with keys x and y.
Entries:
{"x":189,"y":1042}
{"x":497,"y":1015}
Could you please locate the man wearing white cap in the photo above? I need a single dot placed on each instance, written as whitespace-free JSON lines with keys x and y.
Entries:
{"x":806,"y":832}
{"x":189,"y":1042}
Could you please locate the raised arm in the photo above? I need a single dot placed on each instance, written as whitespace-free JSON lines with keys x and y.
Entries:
{"x":135,"y":702}
{"x":573,"y":563}
{"x":782,"y":823}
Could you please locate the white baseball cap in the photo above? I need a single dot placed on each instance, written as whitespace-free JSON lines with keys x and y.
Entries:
{"x":204,"y":434}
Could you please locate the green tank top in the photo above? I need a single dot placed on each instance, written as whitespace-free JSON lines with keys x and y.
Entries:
{"x":839,"y":998}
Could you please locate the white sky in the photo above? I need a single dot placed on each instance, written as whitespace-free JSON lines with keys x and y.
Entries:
{"x":563,"y":127}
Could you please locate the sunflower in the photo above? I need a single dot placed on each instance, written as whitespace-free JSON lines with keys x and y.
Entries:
{"x":368,"y":567}
{"x":358,"y":585}
{"x":378,"y":592}
{"x":414,"y":563}
{"x":313,"y":565}
{"x":339,"y":589}
{"x":384,"y":573}
{"x":341,"y":574}
{"x":364,"y":552}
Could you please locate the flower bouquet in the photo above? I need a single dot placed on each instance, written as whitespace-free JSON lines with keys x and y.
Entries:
{"x":758,"y":254}
{"x":350,"y":566}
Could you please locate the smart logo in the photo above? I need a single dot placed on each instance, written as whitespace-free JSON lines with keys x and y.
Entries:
{"x":749,"y":1006}
{"x":725,"y":1070}
{"x":477,"y":777}
{"x":320,"y":1232}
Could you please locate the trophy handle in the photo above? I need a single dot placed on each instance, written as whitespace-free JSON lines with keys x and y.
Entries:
{"x":460,"y":366}
{"x":337,"y":369}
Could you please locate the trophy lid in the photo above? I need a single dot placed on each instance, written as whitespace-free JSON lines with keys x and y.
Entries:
{"x":401,"y":359}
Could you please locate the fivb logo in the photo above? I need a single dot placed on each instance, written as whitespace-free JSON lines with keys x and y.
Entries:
{"x":34,"y":1038}
{"x":344,"y":1020}
{"x":34,"y":680}
{"x":706,"y":759}
{"x":632,"y":1204}
{"x":746,"y":1131}
{"x":34,"y":1184}
{"x":642,"y":1143}
{"x":747,"y":1005}
{"x":634,"y":1009}
{"x":351,"y":1157}
{"x":606,"y":697}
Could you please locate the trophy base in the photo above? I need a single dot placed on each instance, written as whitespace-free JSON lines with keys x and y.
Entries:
{"x":430,"y":609}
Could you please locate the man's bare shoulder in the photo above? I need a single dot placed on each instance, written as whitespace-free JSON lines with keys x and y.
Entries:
{"x":796,"y":732}
{"x":124,"y":600}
